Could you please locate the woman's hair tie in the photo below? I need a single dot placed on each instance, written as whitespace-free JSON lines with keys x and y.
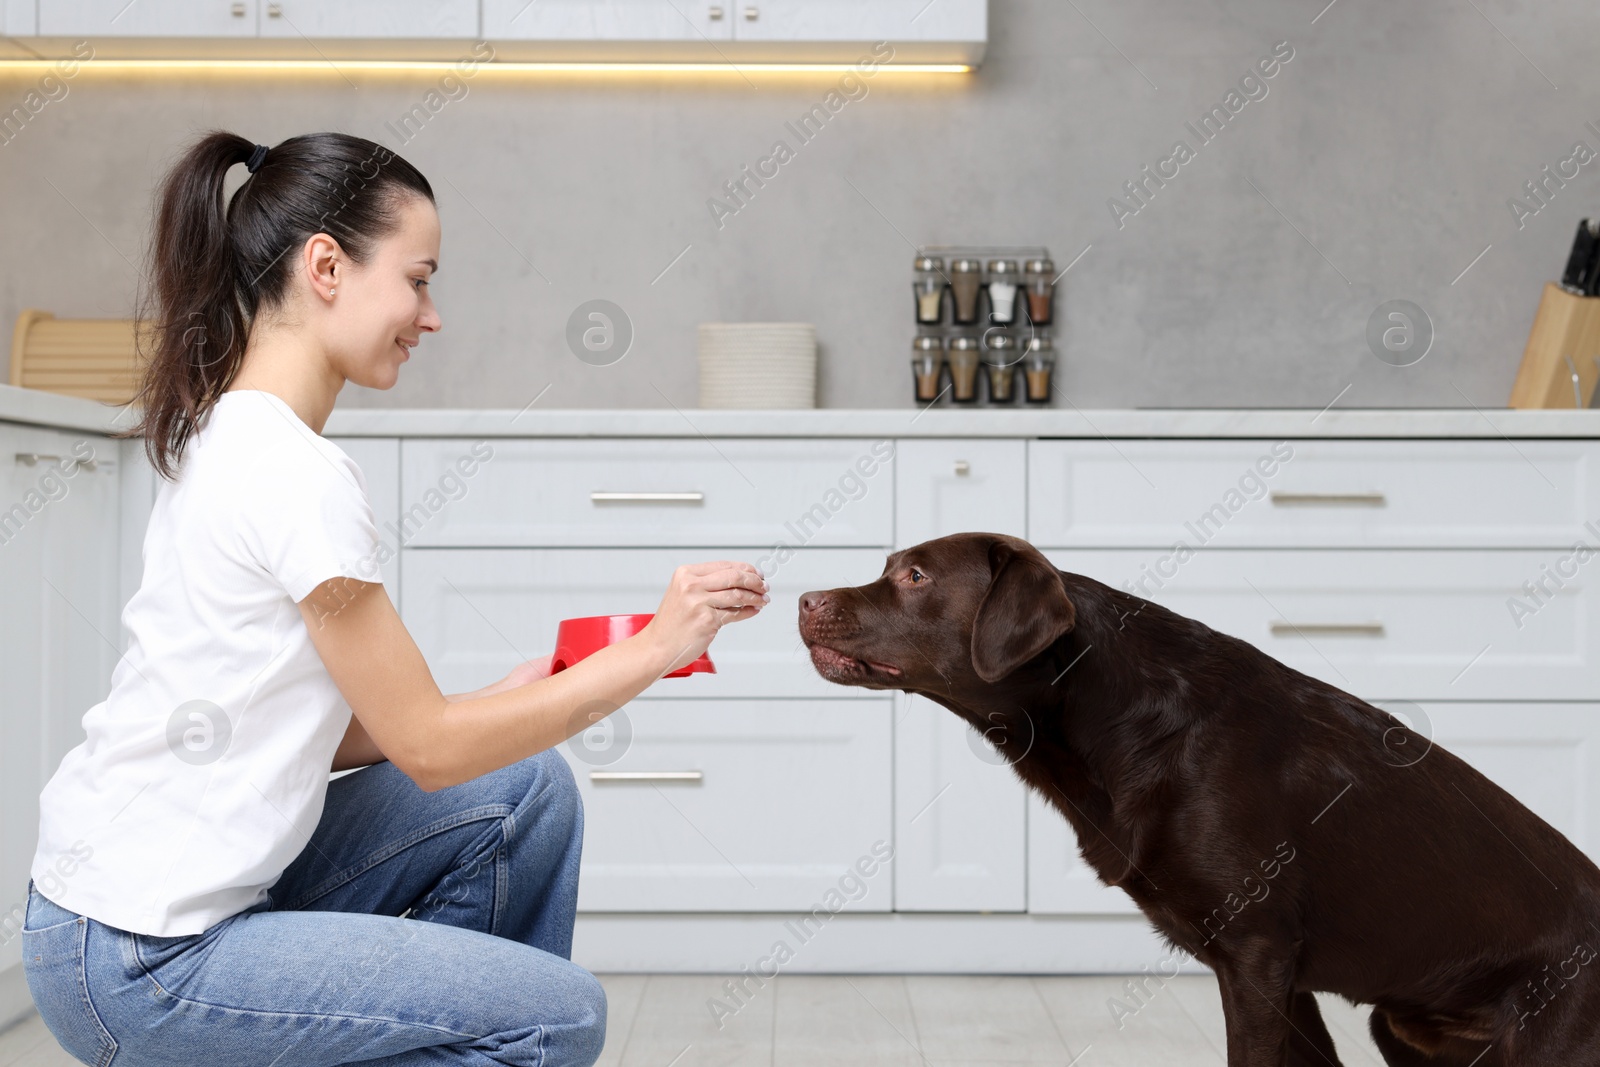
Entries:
{"x":257,"y":157}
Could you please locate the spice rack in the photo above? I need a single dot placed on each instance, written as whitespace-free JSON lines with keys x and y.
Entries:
{"x":985,"y":317}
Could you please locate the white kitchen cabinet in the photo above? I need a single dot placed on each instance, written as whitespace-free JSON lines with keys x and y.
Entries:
{"x":370,"y":18}
{"x":1547,"y":755}
{"x":148,"y":18}
{"x":960,"y":816}
{"x":59,"y":635}
{"x":959,"y":809}
{"x":759,"y":494}
{"x":695,"y":805}
{"x":476,"y":613}
{"x":22,"y":554}
{"x":950,"y":486}
{"x":19,"y":18}
{"x":1384,"y":624}
{"x":893,"y":21}
{"x":83,"y":638}
{"x":608,"y":20}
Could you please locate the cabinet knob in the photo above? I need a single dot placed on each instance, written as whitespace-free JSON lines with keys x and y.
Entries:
{"x":239,"y":11}
{"x":963,"y":468}
{"x":715,"y":11}
{"x":274,"y":11}
{"x":752,"y":13}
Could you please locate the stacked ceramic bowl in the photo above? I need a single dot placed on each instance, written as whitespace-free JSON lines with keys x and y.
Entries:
{"x":758,"y":365}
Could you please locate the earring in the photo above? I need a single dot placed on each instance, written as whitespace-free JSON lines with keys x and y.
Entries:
{"x":332,"y":291}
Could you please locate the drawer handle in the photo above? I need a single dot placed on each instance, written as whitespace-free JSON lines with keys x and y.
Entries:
{"x":1336,"y":629}
{"x":647,"y":498}
{"x":1357,"y":500}
{"x":33,"y":459}
{"x":647,"y":776}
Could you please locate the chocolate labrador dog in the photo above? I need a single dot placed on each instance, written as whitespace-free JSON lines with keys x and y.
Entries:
{"x":1291,"y":837}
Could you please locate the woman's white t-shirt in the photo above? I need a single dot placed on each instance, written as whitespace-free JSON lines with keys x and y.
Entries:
{"x":204,"y":771}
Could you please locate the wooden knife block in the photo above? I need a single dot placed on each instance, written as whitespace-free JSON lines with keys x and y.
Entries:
{"x":1565,"y":325}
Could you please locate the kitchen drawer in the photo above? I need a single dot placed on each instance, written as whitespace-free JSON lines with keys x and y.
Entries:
{"x":1545,"y":755}
{"x":1312,"y":494}
{"x":946,"y":487}
{"x":476,"y":613}
{"x":1405,"y":624}
{"x":583,"y":493}
{"x":766,"y":806}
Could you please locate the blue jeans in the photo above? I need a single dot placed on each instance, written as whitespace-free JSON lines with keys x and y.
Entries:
{"x":328,"y":972}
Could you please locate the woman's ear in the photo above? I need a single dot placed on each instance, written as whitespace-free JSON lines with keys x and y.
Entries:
{"x":321,"y":257}
{"x":1024,"y":611}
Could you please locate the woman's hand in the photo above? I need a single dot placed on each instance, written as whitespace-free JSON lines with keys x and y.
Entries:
{"x":531,"y":671}
{"x":700,"y":600}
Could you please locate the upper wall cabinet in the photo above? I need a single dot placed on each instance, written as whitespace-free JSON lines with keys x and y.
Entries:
{"x":947,"y":31}
{"x":607,"y":20}
{"x":18,"y":18}
{"x":750,"y":31}
{"x":370,"y":18}
{"x":252,"y":18}
{"x":894,"y":21}
{"x":147,"y":18}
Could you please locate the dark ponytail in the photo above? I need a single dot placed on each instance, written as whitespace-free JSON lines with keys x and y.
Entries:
{"x":214,"y":266}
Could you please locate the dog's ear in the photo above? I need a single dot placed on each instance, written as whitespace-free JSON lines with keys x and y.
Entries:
{"x":1023,"y":612}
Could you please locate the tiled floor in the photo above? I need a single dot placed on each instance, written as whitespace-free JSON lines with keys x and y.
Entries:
{"x":891,"y":1021}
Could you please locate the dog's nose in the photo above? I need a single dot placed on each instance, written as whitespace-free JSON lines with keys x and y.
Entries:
{"x":813,"y":601}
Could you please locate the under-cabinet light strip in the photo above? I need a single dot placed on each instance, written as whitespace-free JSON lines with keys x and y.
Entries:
{"x":539,"y":67}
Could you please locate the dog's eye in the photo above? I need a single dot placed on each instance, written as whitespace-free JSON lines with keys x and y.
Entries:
{"x":917,"y":576}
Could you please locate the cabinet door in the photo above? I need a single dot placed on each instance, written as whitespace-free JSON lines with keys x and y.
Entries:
{"x":853,"y":20}
{"x":476,"y":613}
{"x":147,"y":18}
{"x":608,"y":20}
{"x":23,"y":504}
{"x":960,"y":816}
{"x":369,"y":18}
{"x":83,"y":637}
{"x":59,"y":632}
{"x":946,"y":487}
{"x":1547,"y":755}
{"x":18,"y":18}
{"x":960,"y":812}
{"x":770,"y":805}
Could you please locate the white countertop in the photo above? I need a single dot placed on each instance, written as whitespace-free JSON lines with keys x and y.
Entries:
{"x":47,"y":409}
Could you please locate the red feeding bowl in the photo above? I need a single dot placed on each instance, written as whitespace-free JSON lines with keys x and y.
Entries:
{"x":577,"y":638}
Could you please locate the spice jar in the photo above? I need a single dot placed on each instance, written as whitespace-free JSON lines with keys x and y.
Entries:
{"x":929,"y":287}
{"x":927,"y":366}
{"x":966,"y":277}
{"x":963,"y":359}
{"x":1003,"y":291}
{"x":1038,"y":362}
{"x":1000,"y":361}
{"x":1040,"y":280}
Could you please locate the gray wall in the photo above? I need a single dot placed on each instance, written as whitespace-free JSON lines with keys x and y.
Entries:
{"x":1391,"y":142}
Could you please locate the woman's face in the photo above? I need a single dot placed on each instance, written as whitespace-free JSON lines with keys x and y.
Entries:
{"x":382,"y":307}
